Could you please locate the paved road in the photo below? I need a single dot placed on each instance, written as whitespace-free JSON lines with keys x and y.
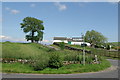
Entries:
{"x":111,"y":72}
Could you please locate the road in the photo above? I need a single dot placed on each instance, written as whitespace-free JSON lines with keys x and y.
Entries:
{"x":111,"y":72}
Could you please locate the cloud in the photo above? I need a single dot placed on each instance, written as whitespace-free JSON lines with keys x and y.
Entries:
{"x":13,"y":11}
{"x":3,"y":37}
{"x":114,"y":3}
{"x":47,"y":42}
{"x":32,"y":5}
{"x":112,"y":0}
{"x":7,"y":8}
{"x":60,"y":6}
{"x":11,"y":39}
{"x":8,"y":38}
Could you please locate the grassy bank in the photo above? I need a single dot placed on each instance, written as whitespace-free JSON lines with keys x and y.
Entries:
{"x":22,"y":50}
{"x":72,"y":68}
{"x":44,"y":60}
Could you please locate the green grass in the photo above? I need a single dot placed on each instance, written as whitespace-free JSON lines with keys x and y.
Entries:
{"x":79,"y":47}
{"x":114,"y":43}
{"x":35,"y":51}
{"x":16,"y":68}
{"x":101,"y":52}
{"x":77,"y":68}
{"x":22,"y":50}
{"x":29,"y":50}
{"x":72,"y":68}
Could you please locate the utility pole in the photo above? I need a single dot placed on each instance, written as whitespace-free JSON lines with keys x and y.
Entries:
{"x":83,"y":50}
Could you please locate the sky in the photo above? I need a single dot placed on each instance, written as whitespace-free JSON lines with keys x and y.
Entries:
{"x":60,"y":19}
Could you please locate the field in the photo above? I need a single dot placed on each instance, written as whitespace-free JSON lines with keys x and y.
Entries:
{"x":46,"y":60}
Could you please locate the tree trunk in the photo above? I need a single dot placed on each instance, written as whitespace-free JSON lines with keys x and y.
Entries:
{"x":32,"y":40}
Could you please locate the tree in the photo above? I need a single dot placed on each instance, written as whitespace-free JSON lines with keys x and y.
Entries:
{"x":34,"y":29}
{"x":95,"y":38}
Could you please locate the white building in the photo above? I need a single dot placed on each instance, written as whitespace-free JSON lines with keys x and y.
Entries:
{"x":80,"y":43}
{"x":60,"y":39}
{"x":72,"y":41}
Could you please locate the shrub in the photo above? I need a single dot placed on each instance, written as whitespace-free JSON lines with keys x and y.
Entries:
{"x":89,"y":59}
{"x":55,"y":60}
{"x":62,"y":45}
{"x":51,"y":50}
{"x":80,"y":58}
{"x":100,"y":58}
{"x":40,"y":62}
{"x":71,"y":57}
{"x":39,"y":65}
{"x":108,"y":47}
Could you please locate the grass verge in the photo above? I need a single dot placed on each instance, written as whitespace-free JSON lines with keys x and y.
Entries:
{"x":68,"y":69}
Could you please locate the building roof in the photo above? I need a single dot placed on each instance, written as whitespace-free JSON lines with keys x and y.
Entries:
{"x":76,"y":37}
{"x":60,"y":38}
{"x":75,"y":40}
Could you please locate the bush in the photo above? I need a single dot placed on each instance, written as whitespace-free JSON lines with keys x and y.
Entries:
{"x":100,"y":58}
{"x":62,"y":45}
{"x":40,"y":62}
{"x":80,"y":58}
{"x":39,"y":65}
{"x":55,"y":60}
{"x":71,"y":57}
{"x":89,"y":59}
{"x":108,"y":47}
{"x":51,"y":50}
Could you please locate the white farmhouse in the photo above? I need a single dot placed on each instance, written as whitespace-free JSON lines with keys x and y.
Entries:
{"x":72,"y":41}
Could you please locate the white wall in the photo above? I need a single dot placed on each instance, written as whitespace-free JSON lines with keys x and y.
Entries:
{"x":72,"y":43}
{"x":65,"y":41}
{"x":79,"y":43}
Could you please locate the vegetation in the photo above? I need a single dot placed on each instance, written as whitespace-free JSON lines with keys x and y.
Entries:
{"x":38,"y":58}
{"x":40,"y":62}
{"x":44,"y":60}
{"x":55,"y":61}
{"x":62,"y":45}
{"x":67,"y":69}
{"x":79,"y":47}
{"x":94,"y":38}
{"x":34,"y":28}
{"x":114,"y":45}
{"x":23,"y":50}
{"x":99,"y":51}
